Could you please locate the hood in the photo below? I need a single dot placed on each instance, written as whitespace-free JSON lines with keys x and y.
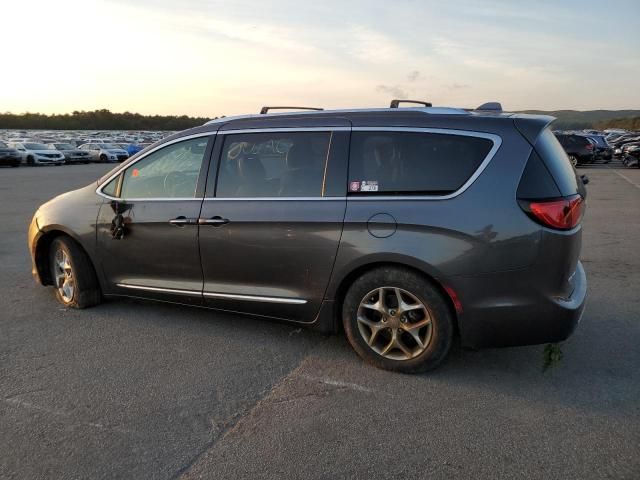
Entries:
{"x":45,"y":152}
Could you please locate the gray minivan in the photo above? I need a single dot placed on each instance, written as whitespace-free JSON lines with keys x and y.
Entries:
{"x":403,"y":226}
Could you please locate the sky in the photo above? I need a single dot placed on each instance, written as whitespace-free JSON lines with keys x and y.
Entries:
{"x":210,"y":58}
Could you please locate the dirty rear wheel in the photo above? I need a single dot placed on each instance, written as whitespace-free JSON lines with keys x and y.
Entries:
{"x":72,"y":274}
{"x":397,"y":320}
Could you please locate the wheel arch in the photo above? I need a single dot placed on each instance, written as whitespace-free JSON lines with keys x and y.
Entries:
{"x":43,"y":247}
{"x":348,"y":279}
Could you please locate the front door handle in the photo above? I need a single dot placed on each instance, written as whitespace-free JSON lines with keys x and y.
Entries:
{"x":181,"y":221}
{"x":216,"y":221}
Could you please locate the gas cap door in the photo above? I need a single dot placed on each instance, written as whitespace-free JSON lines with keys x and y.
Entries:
{"x":382,"y":225}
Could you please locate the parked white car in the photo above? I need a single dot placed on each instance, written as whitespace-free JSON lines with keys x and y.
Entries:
{"x":105,"y":152}
{"x":38,"y":154}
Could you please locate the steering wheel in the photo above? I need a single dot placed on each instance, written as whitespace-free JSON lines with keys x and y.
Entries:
{"x":173,"y":181}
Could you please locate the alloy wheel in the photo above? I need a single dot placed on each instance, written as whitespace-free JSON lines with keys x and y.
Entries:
{"x":65,"y":282}
{"x":394,"y":323}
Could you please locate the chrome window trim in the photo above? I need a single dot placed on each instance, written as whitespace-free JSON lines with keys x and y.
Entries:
{"x":496,"y":139}
{"x":146,"y":154}
{"x":267,"y":199}
{"x":284,"y":130}
{"x":231,"y":296}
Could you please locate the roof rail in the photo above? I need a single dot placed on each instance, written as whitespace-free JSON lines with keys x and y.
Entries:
{"x":490,"y":106}
{"x":265,"y":110}
{"x":396,"y":103}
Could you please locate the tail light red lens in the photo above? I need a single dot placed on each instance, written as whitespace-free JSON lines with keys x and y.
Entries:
{"x":563,"y":214}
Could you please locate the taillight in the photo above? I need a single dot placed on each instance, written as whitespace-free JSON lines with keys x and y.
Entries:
{"x":589,"y":147}
{"x":562,"y":214}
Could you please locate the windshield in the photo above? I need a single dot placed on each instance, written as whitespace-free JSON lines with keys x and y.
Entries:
{"x":64,"y":146}
{"x":35,"y":146}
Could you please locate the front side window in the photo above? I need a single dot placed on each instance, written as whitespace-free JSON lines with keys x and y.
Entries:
{"x":413,"y":162}
{"x":289,"y":164}
{"x":171,"y":172}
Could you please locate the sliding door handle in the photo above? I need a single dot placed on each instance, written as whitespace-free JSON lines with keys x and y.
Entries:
{"x":216,"y":221}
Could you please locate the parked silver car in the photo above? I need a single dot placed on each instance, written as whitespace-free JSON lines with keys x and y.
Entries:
{"x":71,"y":154}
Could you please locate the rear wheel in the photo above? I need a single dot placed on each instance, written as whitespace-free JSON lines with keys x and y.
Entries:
{"x":397,"y":320}
{"x":103,"y":158}
{"x":72,"y":273}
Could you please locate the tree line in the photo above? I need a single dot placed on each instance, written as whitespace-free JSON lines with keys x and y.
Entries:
{"x":98,"y":120}
{"x":106,"y":120}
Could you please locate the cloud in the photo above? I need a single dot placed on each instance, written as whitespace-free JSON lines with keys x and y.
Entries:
{"x":457,"y":86}
{"x":394,"y":90}
{"x":414,"y":76}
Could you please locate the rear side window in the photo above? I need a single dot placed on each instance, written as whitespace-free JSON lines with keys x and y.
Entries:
{"x":413,"y":162}
{"x":285,"y":164}
{"x":557,"y":162}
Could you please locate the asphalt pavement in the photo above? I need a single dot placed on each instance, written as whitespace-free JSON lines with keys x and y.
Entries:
{"x":134,"y":389}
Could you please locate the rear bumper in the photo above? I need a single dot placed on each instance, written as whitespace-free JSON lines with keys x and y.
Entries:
{"x":528,"y":318}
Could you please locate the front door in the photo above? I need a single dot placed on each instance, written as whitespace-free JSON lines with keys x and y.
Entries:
{"x":270,"y":230}
{"x":148,"y":233}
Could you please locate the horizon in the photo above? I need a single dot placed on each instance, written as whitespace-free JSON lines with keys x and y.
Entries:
{"x":206,"y":58}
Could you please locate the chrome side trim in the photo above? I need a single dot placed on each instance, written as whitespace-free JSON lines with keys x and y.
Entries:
{"x":231,"y":296}
{"x":496,"y":139}
{"x":285,"y":130}
{"x":123,"y":167}
{"x":256,"y":298}
{"x":162,"y":290}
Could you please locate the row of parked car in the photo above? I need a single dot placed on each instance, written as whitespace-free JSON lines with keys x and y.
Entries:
{"x":31,"y":152}
{"x":591,"y":146}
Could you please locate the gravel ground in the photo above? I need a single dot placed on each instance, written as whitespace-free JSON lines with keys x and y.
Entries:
{"x":143,"y":390}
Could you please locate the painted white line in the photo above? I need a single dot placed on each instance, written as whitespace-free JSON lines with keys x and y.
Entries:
{"x":626,"y":178}
{"x":337,"y":383}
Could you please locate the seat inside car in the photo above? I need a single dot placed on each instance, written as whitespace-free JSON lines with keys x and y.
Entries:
{"x":303,"y":176}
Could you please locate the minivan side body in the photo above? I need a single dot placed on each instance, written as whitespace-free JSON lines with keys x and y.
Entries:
{"x":280,"y":253}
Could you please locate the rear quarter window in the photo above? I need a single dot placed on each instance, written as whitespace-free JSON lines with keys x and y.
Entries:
{"x":413,"y":162}
{"x":556,"y":160}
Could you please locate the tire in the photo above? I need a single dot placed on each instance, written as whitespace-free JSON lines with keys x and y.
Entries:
{"x":14,"y":165}
{"x":436,"y":335}
{"x":103,"y":158}
{"x":30,"y":161}
{"x":85,"y":290}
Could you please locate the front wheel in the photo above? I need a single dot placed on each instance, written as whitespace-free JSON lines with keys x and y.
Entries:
{"x":397,"y":320}
{"x":72,"y":273}
{"x":103,"y":158}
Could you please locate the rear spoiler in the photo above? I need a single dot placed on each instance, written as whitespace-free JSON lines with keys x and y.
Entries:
{"x":530,"y":126}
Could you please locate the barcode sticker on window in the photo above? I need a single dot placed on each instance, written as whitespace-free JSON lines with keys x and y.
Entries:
{"x":369,"y":186}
